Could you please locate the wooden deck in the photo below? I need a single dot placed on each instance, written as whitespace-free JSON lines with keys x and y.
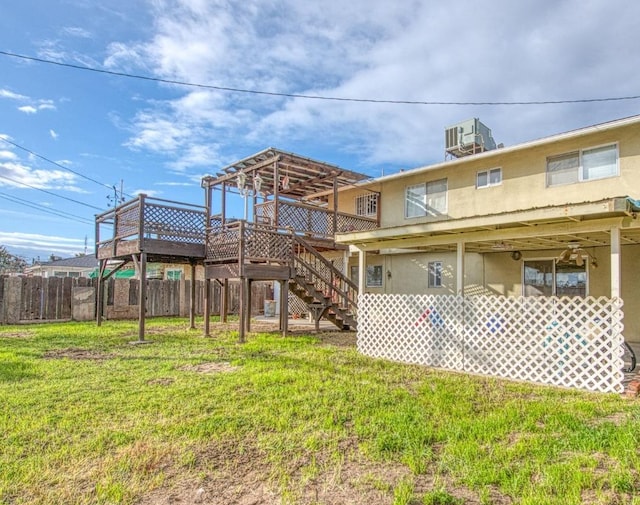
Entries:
{"x":166,"y":231}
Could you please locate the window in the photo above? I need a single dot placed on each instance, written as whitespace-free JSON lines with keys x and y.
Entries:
{"x":354,"y":274}
{"x":367,"y":205}
{"x":374,"y":276}
{"x":435,"y":274}
{"x":586,"y":165}
{"x":428,"y":199}
{"x":75,"y":275}
{"x":174,"y":274}
{"x":488,"y":178}
{"x":546,"y":278}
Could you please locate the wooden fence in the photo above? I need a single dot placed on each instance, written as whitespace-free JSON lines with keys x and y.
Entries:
{"x":32,"y":299}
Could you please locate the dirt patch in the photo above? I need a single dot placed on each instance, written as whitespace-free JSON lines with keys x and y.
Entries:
{"x":76,"y":353}
{"x":214,"y":367}
{"x":225,"y":473}
{"x":161,"y":381}
{"x":16,"y":334}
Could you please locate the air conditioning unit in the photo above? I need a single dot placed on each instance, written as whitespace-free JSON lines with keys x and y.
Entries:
{"x":468,"y":137}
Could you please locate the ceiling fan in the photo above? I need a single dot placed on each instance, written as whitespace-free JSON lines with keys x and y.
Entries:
{"x":575,"y":254}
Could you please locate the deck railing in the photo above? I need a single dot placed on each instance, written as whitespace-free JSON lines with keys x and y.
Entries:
{"x":151,"y":218}
{"x":247,"y":242}
{"x":311,"y":220}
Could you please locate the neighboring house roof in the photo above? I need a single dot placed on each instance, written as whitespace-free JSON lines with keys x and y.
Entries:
{"x":85,"y":261}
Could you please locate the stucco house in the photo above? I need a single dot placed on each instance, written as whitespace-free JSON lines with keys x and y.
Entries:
{"x":553,"y":216}
{"x":78,"y":266}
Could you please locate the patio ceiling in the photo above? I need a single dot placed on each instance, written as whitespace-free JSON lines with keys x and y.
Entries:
{"x":588,"y":224}
{"x":305,"y":179}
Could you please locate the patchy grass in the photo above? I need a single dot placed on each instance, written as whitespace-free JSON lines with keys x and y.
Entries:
{"x":87,"y":418}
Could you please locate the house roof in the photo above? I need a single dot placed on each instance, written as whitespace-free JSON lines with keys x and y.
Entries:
{"x":306,"y":178}
{"x":84,"y":261}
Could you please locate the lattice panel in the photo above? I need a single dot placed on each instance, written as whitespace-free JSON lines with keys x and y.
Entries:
{"x":573,"y":342}
{"x":223,"y":244}
{"x":317,"y":222}
{"x":346,"y":222}
{"x":128,"y":221}
{"x":174,"y":224}
{"x":267,"y":245}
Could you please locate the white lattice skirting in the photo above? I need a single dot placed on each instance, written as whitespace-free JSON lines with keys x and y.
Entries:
{"x":566,"y":341}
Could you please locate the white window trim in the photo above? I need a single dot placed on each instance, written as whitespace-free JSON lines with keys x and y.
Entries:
{"x":553,"y":260}
{"x":435,"y":286}
{"x":376,"y":286}
{"x":580,"y":166}
{"x":367,"y":200}
{"x":488,"y":172}
{"x":424,"y":185}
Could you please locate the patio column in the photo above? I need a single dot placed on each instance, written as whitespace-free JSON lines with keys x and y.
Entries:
{"x":460,"y":268}
{"x":362,"y":268}
{"x":616,"y":268}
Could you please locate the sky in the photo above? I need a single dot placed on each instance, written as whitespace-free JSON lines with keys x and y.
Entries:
{"x":71,"y":138}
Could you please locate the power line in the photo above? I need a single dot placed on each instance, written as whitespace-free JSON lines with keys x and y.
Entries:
{"x":310,"y":97}
{"x":50,"y":193}
{"x":58,"y":213}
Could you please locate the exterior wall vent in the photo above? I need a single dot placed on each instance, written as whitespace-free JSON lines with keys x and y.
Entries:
{"x":466,"y":138}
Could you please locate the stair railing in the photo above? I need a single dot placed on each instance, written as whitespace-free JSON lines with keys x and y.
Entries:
{"x":321,"y":272}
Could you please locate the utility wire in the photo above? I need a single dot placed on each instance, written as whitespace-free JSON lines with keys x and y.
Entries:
{"x":62,"y":214}
{"x":310,"y":97}
{"x":50,"y":193}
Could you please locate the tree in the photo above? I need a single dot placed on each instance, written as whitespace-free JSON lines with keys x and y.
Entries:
{"x":10,"y":263}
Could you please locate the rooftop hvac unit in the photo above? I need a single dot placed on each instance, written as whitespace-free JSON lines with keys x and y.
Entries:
{"x":468,"y":137}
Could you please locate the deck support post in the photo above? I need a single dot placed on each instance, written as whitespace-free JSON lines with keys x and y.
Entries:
{"x":242,"y":310}
{"x":192,"y":297}
{"x":249,"y":302}
{"x":460,"y":250}
{"x":100,"y":292}
{"x":362,"y":268}
{"x":142,"y":296}
{"x":284,"y":307}
{"x":207,"y":305}
{"x":224,"y":301}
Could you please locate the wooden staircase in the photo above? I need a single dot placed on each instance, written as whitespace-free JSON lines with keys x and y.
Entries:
{"x":328,"y":293}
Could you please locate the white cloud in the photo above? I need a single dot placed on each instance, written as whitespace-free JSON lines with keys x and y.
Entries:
{"x":363,"y":49}
{"x":16,"y":174}
{"x":152,"y":193}
{"x":8,"y":155}
{"x":53,"y":134}
{"x":28,"y":109}
{"x":53,"y":243}
{"x":5,"y":93}
{"x":76,"y":31}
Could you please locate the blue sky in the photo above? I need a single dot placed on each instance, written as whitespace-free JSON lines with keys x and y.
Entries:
{"x":160,"y":139}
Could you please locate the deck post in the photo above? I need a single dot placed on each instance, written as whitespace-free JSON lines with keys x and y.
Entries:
{"x":284,"y":307}
{"x":249,"y":301}
{"x":224,"y":301}
{"x":207,"y":304}
{"x":243,"y":310}
{"x":335,"y":206}
{"x":99,"y":292}
{"x":362,"y":268}
{"x":142,"y":296}
{"x":460,"y":250}
{"x":192,"y":297}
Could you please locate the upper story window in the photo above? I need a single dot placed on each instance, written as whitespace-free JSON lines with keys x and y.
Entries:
{"x":488,"y":178}
{"x":367,"y":205}
{"x":426,"y":199}
{"x":584,"y":165}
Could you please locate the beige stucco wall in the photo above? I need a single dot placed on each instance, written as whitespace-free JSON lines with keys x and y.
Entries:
{"x":523,"y":185}
{"x":409,"y":273}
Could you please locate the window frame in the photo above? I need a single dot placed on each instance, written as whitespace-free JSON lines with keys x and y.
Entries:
{"x":429,"y":211}
{"x":434,"y":274}
{"x":579,"y":176}
{"x":554,"y":276}
{"x":371,"y":277}
{"x":368,"y":202}
{"x":488,"y":173}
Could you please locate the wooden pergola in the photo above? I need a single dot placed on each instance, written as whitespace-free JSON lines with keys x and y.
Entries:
{"x":291,"y":196}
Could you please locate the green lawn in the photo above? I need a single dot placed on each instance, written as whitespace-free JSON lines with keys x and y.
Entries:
{"x":87,"y":417}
